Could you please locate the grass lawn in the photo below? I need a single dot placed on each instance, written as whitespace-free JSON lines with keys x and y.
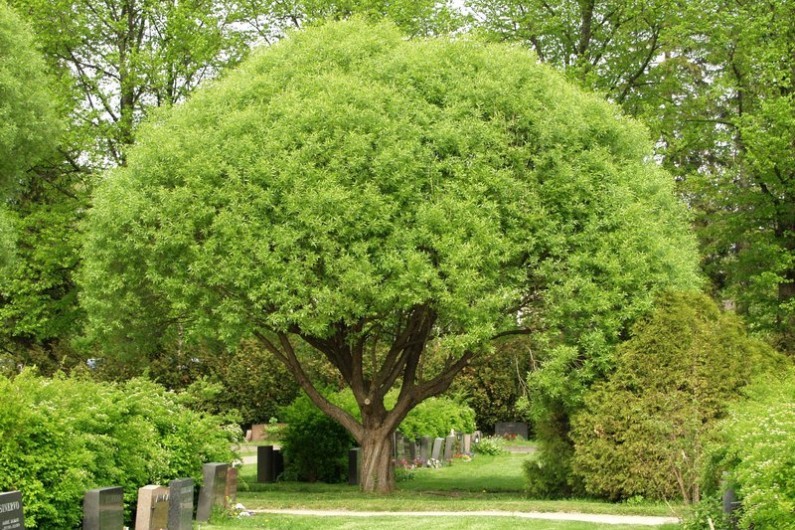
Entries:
{"x":485,"y":483}
{"x":279,"y":522}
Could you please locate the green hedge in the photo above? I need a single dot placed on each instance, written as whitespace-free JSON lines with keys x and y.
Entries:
{"x":63,"y":436}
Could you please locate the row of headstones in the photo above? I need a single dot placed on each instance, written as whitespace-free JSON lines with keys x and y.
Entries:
{"x":159,"y":507}
{"x":428,"y":448}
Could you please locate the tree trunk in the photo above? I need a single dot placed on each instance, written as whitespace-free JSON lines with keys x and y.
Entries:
{"x":377,"y":471}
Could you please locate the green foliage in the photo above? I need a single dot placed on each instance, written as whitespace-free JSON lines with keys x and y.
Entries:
{"x":642,"y":432}
{"x":28,"y":116}
{"x":315,"y":447}
{"x":378,"y":198}
{"x":436,"y":417}
{"x":60,"y":437}
{"x":754,"y":446}
{"x":490,"y":445}
{"x":493,"y":385}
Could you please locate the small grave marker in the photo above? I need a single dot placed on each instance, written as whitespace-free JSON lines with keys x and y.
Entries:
{"x":212,"y":490}
{"x":152,"y":512}
{"x":180,"y":504}
{"x":103,"y":509}
{"x":449,"y":447}
{"x":11,"y":511}
{"x":353,"y":466}
{"x":425,"y":448}
{"x":230,"y":493}
{"x":436,"y":452}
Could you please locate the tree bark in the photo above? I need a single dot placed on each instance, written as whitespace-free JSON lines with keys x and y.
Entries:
{"x":377,"y":474}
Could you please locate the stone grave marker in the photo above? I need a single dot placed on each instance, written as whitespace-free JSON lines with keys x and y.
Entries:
{"x":449,"y":448}
{"x":11,"y":516}
{"x":399,"y":446}
{"x":514,"y":428}
{"x":278,"y":463}
{"x":265,"y":464}
{"x":180,"y":504}
{"x":257,"y":432}
{"x":103,"y":509}
{"x":354,"y":456}
{"x":212,"y":490}
{"x":230,"y":493}
{"x":476,"y":436}
{"x":411,"y":451}
{"x":436,"y":452}
{"x":426,"y":442}
{"x":152,"y":512}
{"x":467,"y":446}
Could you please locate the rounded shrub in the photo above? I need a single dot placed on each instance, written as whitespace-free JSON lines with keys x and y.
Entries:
{"x":436,"y":417}
{"x":63,"y":436}
{"x":643,"y":431}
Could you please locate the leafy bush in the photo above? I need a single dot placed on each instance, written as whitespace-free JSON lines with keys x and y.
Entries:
{"x":315,"y":446}
{"x":490,"y":445}
{"x":60,"y":437}
{"x":755,"y":447}
{"x":436,"y":417}
{"x":642,"y":432}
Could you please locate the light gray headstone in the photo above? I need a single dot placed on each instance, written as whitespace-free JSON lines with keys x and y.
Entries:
{"x":11,"y":516}
{"x":103,"y":509}
{"x":180,"y":504}
{"x":467,"y":448}
{"x":436,"y":452}
{"x":449,"y":447}
{"x":212,"y":490}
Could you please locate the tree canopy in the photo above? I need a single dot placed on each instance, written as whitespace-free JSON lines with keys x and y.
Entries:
{"x":383,"y":199}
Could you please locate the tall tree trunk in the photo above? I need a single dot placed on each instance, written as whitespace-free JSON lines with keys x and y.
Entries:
{"x":377,"y":474}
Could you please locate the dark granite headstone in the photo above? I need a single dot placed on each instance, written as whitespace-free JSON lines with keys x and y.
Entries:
{"x":103,"y":509}
{"x":399,"y":446}
{"x":212,"y":490}
{"x":265,"y":464}
{"x":11,"y":516}
{"x":353,"y":466}
{"x":436,"y":452}
{"x":278,"y":464}
{"x":180,"y":506}
{"x":511,"y":428}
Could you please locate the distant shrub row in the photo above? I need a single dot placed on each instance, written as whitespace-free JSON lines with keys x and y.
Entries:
{"x":61,"y":437}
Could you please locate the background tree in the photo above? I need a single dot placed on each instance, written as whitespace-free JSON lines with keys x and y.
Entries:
{"x":376,"y":197}
{"x":30,"y":127}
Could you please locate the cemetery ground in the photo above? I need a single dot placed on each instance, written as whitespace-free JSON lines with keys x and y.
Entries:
{"x":484,"y":484}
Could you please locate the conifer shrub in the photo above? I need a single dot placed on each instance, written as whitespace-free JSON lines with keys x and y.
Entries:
{"x":643,"y":431}
{"x":60,"y":437}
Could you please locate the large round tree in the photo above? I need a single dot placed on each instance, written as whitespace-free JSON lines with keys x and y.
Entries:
{"x":387,"y":202}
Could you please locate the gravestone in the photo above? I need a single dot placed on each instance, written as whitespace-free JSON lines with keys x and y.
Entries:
{"x":230,"y":493}
{"x":152,"y":512}
{"x":180,"y":504}
{"x":425,"y":448}
{"x":212,"y":490}
{"x":449,"y":448}
{"x":266,"y":469}
{"x":257,"y":432}
{"x":476,"y":437}
{"x":436,"y":452}
{"x":353,"y":466}
{"x":400,"y":446}
{"x":411,"y":451}
{"x":11,"y":516}
{"x":103,"y":509}
{"x":514,"y":428}
{"x":467,"y":445}
{"x":278,"y":464}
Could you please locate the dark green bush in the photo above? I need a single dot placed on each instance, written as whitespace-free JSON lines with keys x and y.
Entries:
{"x":643,"y":431}
{"x":315,"y":446}
{"x":60,"y":437}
